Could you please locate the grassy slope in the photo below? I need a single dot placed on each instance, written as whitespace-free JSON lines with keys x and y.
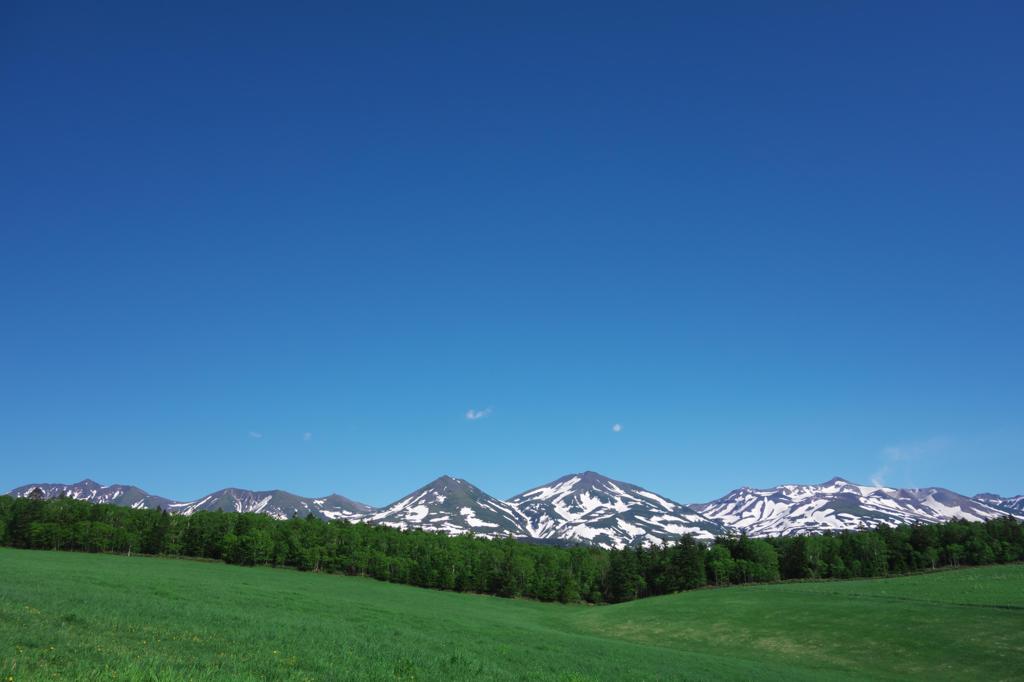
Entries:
{"x":94,"y":616}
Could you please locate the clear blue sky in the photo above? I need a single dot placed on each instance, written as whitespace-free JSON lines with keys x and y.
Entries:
{"x":775,"y":242}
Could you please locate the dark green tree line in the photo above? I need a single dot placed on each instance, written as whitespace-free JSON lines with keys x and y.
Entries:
{"x":505,"y":567}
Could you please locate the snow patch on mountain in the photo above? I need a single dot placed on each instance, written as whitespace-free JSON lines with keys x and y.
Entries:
{"x":588,"y":508}
{"x":453,"y":506}
{"x":1011,"y":505}
{"x":595,"y":509}
{"x":837,"y":505}
{"x":276,"y":503}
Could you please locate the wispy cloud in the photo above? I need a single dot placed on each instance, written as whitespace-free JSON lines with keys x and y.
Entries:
{"x":616,"y":427}
{"x":894,"y":454}
{"x":307,"y":436}
{"x":473,"y":415}
{"x":255,"y":434}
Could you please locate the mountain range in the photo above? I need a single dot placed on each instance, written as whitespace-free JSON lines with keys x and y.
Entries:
{"x":840,"y":505}
{"x":588,"y":508}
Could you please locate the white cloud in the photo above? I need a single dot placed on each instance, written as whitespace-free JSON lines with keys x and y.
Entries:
{"x":255,"y":434}
{"x":307,"y":436}
{"x":616,"y":427}
{"x":892,"y":454}
{"x":473,"y":415}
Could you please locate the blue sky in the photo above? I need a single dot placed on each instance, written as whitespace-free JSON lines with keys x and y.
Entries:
{"x":774,"y":243}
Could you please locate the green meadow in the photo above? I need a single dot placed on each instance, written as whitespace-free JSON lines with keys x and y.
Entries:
{"x":96,"y":616}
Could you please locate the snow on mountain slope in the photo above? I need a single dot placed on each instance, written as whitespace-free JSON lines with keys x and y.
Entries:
{"x":276,"y":503}
{"x":453,"y":506}
{"x":594,"y":509}
{"x":589,"y":508}
{"x":91,"y":491}
{"x":838,"y":505}
{"x":1012,"y":505}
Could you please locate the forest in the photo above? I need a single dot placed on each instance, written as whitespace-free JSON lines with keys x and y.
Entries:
{"x":505,"y":567}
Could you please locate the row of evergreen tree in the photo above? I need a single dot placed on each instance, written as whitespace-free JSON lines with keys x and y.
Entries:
{"x":506,"y":567}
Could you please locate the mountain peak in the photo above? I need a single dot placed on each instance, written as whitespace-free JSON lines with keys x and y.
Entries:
{"x":451,"y":505}
{"x":589,"y":507}
{"x":447,"y":481}
{"x":837,"y":505}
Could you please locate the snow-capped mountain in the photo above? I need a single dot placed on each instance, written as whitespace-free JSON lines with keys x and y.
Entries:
{"x":453,"y":506}
{"x":594,"y":509}
{"x":589,"y":508}
{"x":839,"y":505}
{"x":91,"y":491}
{"x":1012,"y":505}
{"x":276,"y":503}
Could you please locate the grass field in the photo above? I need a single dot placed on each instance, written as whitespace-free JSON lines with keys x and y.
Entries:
{"x":85,"y":616}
